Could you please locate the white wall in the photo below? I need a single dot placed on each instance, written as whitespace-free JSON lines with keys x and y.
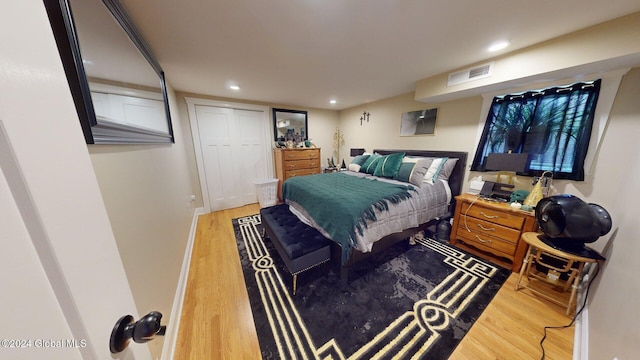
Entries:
{"x":146,"y":190}
{"x":613,"y":308}
{"x":54,"y":185}
{"x":455,"y":130}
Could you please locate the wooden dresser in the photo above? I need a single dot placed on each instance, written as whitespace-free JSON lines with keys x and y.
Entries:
{"x":295,"y":162}
{"x":493,"y":228}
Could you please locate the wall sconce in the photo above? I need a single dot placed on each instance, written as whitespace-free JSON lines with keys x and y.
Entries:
{"x":365,"y":116}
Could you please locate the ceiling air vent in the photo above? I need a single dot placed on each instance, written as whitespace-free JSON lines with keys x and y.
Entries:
{"x":470,"y":74}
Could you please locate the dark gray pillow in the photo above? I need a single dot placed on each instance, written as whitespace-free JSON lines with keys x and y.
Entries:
{"x":447,"y":169}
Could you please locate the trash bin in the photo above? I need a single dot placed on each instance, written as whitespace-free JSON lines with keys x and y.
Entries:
{"x":267,"y":191}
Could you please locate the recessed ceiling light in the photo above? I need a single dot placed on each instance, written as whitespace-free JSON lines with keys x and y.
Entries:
{"x":333,"y":101}
{"x":234,"y":87}
{"x":499,"y":46}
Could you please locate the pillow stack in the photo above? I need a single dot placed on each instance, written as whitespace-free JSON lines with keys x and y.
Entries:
{"x":412,"y":169}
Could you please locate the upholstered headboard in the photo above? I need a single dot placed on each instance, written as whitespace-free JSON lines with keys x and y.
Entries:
{"x":457,"y":176}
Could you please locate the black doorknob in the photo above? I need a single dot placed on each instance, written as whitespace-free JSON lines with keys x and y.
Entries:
{"x":140,"y":331}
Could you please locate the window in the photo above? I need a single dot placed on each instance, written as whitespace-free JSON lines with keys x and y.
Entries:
{"x":552,"y":125}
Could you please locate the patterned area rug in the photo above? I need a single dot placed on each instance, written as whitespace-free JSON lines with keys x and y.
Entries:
{"x":409,"y":302}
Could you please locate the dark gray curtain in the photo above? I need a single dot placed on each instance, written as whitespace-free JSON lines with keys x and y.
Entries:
{"x":553,"y":126}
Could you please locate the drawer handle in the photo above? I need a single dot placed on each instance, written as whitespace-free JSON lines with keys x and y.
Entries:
{"x":482,"y":240}
{"x":489,"y":216}
{"x":486,"y":229}
{"x":292,"y":165}
{"x":291,"y":156}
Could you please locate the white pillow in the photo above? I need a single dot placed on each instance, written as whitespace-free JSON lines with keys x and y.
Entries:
{"x":354,"y":167}
{"x":434,"y":169}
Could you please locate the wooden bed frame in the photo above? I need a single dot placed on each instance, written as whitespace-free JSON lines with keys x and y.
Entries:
{"x":455,"y":183}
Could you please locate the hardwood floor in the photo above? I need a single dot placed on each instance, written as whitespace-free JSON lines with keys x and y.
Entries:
{"x":217,"y":323}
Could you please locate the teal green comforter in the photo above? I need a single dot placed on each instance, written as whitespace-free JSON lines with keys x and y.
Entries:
{"x":342,"y":204}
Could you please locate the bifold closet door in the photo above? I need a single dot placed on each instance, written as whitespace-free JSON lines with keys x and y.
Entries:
{"x":233,"y":149}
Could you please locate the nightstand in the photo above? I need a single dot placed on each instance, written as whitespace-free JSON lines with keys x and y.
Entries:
{"x":491,"y":230}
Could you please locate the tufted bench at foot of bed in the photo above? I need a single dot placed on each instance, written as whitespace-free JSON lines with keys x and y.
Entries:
{"x":300,"y":246}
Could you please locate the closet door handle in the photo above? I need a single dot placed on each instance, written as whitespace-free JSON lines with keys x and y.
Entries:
{"x":139,"y":331}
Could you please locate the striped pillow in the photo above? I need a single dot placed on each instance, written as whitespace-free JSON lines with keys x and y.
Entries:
{"x":413,"y":170}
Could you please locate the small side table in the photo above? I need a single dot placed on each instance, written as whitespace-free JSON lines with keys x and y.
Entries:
{"x":573,"y":265}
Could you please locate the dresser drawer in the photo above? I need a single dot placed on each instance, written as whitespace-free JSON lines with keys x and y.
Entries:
{"x":499,"y":217}
{"x":301,"y":164}
{"x":295,"y":162}
{"x":491,"y":229}
{"x":487,"y":243}
{"x":301,"y":155}
{"x":300,"y":172}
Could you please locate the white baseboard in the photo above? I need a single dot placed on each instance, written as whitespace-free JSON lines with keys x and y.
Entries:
{"x":581,"y":330}
{"x":581,"y":336}
{"x":171,"y":336}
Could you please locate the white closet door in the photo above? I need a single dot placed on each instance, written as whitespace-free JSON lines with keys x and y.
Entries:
{"x":232,"y":143}
{"x":218,"y":139}
{"x":233,"y":150}
{"x":251,"y":152}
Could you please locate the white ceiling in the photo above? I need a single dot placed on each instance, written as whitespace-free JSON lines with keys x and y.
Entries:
{"x":305,"y":52}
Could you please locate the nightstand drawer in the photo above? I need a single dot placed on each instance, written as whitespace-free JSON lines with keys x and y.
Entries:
{"x":487,"y":243}
{"x":494,"y":216}
{"x":492,"y":229}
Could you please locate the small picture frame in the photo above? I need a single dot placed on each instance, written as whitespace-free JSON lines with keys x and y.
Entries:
{"x":420,"y":122}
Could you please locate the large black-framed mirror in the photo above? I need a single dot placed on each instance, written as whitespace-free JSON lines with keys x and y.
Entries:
{"x":290,"y":125}
{"x":118,"y":87}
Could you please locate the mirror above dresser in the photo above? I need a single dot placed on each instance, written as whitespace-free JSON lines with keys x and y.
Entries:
{"x":290,"y":125}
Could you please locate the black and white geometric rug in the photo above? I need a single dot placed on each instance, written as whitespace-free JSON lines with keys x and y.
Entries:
{"x":409,"y":302}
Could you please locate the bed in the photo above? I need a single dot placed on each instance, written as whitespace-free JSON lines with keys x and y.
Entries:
{"x":363,"y":213}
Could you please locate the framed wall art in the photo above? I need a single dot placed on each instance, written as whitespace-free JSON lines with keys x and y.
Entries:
{"x":421,"y":122}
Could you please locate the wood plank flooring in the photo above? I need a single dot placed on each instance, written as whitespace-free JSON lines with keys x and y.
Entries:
{"x":217,"y":323}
